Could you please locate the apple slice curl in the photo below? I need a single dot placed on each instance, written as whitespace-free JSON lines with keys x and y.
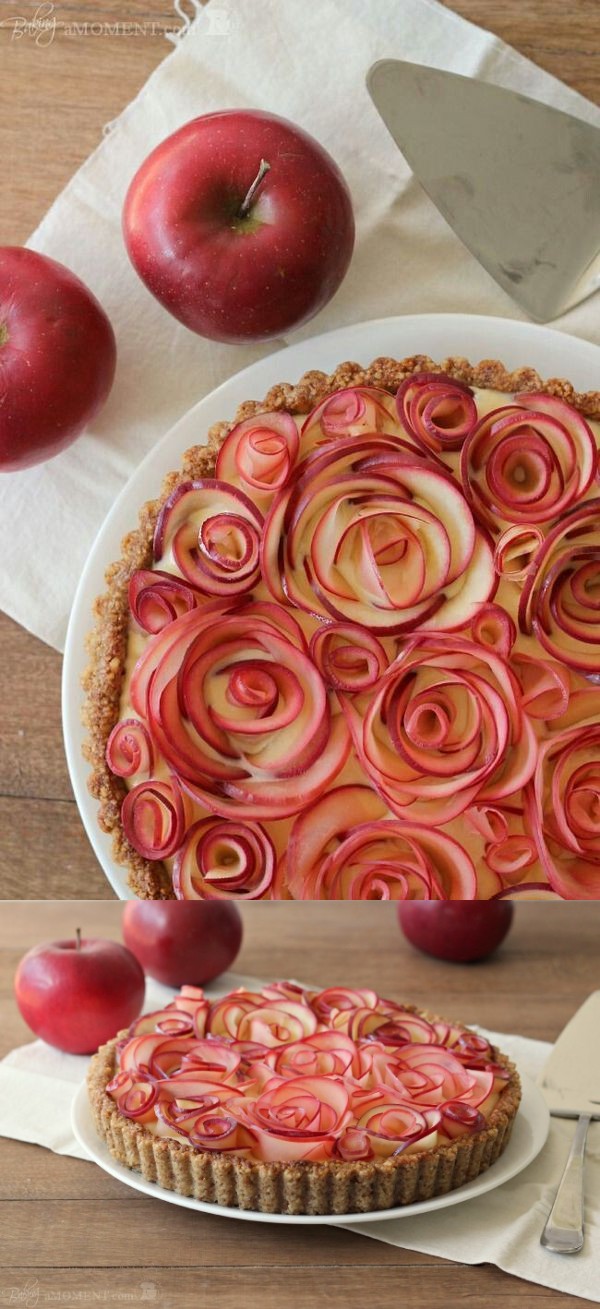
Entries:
{"x":528,"y":462}
{"x":436,"y":410}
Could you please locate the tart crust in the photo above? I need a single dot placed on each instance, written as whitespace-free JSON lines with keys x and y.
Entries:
{"x":107,"y":642}
{"x":301,"y":1187}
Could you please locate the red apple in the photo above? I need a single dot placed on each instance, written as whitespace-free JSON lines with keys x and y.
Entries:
{"x":78,"y":994}
{"x":57,"y":357}
{"x":461,"y":931}
{"x":183,"y":942}
{"x":240,"y":224}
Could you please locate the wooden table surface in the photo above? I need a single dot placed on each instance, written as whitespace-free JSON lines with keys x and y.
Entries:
{"x":57,"y":90}
{"x":75,"y":1231}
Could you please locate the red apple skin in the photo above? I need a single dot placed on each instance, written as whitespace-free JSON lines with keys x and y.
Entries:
{"x":183,"y":943}
{"x":460,"y":931}
{"x":57,"y":357}
{"x":78,"y":999}
{"x":234,"y":279}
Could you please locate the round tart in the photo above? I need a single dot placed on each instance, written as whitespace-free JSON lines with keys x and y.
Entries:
{"x":293,"y":1101}
{"x":353,"y":650}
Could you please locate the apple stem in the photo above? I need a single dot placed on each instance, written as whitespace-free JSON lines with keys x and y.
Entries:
{"x":78,"y":938}
{"x":3,"y":334}
{"x":245,"y":205}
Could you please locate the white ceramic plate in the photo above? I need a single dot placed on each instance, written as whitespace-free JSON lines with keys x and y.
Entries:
{"x":438,"y":335}
{"x":528,"y":1136}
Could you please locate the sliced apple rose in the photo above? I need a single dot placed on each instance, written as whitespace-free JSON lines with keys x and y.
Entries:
{"x":135,"y":1096}
{"x":445,"y":726}
{"x":348,"y":657}
{"x":279,"y":1023}
{"x":508,"y":847}
{"x":436,"y":410}
{"x":353,"y":411}
{"x":153,"y":817}
{"x":564,"y":811}
{"x":297,"y":1117}
{"x":528,"y":462}
{"x":516,"y":550}
{"x":287,"y":1074}
{"x":373,"y":535}
{"x":258,"y":455}
{"x":240,"y":713}
{"x":156,"y":598}
{"x":343,"y":848}
{"x":129,"y":749}
{"x":211,"y":533}
{"x":325,"y":1054}
{"x":560,"y":601}
{"x":220,"y":860}
{"x":392,"y":1127}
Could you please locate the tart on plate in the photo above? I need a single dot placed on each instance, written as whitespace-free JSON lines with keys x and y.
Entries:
{"x":352,"y":651}
{"x":294,"y":1101}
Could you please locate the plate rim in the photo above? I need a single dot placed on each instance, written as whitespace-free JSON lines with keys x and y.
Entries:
{"x":533,"y":1109}
{"x":266,"y":371}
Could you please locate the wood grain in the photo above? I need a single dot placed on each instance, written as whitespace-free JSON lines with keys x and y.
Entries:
{"x":70,"y":1230}
{"x":56,"y":96}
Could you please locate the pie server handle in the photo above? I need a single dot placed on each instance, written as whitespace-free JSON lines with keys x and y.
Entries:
{"x":563,"y":1232}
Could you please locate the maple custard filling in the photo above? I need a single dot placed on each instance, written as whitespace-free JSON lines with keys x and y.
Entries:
{"x":363,"y":663}
{"x":288,"y":1074}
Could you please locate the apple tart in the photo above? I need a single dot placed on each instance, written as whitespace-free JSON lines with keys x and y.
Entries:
{"x":294,"y":1101}
{"x":352,"y":651}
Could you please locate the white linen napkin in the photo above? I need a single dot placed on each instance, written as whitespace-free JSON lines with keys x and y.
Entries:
{"x":307,"y":63}
{"x":502,"y":1227}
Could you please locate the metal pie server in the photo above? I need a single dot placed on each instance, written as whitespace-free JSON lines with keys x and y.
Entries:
{"x":518,"y":181}
{"x":570,"y":1083}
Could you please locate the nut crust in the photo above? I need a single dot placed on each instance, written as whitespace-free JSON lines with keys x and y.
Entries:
{"x":107,"y":642}
{"x":302,"y":1187}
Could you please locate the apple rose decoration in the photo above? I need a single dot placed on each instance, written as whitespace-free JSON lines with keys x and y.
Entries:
{"x":366,"y":642}
{"x":242,"y":717}
{"x":297,"y":1117}
{"x":344,"y":847}
{"x":376,"y":535}
{"x":211,"y":532}
{"x":564,"y":811}
{"x":352,"y":411}
{"x":258,"y":455}
{"x":286,"y":1074}
{"x":436,"y":410}
{"x":560,"y":600}
{"x":156,"y":598}
{"x":221,"y":860}
{"x":528,"y":462}
{"x":154,"y":819}
{"x":444,"y":727}
{"x":129,"y":749}
{"x":508,"y":847}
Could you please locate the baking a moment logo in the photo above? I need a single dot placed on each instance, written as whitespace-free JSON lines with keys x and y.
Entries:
{"x":43,"y":24}
{"x":31,"y":1294}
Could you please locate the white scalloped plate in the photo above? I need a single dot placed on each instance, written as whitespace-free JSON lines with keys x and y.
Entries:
{"x":528,"y":1136}
{"x":553,"y":353}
